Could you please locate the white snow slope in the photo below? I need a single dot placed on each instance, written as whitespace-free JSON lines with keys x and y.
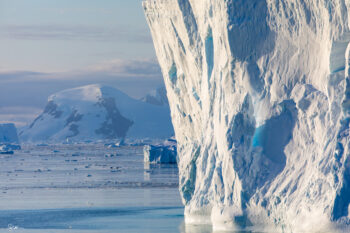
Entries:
{"x":97,"y":112}
{"x":260,"y":104}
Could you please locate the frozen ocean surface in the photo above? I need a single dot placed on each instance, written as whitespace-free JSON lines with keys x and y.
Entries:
{"x":87,"y":188}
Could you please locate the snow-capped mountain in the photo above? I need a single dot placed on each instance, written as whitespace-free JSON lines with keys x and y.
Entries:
{"x":261,"y":109}
{"x":157,"y":97}
{"x":97,"y":112}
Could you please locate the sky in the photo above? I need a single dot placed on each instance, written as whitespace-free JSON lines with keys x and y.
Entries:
{"x":49,"y":45}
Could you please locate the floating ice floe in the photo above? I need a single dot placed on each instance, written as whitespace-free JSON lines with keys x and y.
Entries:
{"x":8,"y":147}
{"x":161,"y":154}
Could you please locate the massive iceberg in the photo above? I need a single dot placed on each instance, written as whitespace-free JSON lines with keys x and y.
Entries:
{"x":259,"y":92}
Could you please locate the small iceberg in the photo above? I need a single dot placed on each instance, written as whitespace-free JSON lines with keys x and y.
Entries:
{"x":161,"y":154}
{"x":115,"y":144}
{"x":8,"y":149}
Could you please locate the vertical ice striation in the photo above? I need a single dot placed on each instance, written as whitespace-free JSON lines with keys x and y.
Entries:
{"x":259,"y":92}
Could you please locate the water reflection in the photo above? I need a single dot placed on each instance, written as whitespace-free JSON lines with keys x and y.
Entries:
{"x":157,"y":172}
{"x":189,"y":228}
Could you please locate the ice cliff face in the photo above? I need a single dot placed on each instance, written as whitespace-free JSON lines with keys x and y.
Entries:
{"x":98,"y":112}
{"x":260,"y":103}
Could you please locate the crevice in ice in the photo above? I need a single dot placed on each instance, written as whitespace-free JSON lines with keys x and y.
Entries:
{"x":196,"y":96}
{"x":346,"y":101}
{"x":189,"y":20}
{"x":173,"y":74}
{"x":342,"y":199}
{"x":306,"y":11}
{"x":178,"y":38}
{"x":208,"y":163}
{"x":188,"y":185}
{"x":180,"y":111}
{"x":209,"y":51}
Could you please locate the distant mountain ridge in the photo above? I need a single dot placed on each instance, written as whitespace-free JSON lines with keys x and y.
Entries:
{"x":96,"y":112}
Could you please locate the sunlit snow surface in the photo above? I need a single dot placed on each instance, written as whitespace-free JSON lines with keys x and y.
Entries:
{"x":87,"y":188}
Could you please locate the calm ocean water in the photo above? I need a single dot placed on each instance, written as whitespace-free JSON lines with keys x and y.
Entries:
{"x":87,"y":188}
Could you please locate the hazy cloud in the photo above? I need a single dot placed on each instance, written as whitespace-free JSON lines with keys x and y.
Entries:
{"x":18,"y":76}
{"x":20,"y":115}
{"x":73,"y":32}
{"x":77,"y":10}
{"x":146,"y":67}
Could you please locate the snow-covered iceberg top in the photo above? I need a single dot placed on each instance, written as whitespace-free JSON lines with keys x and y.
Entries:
{"x":260,"y":101}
